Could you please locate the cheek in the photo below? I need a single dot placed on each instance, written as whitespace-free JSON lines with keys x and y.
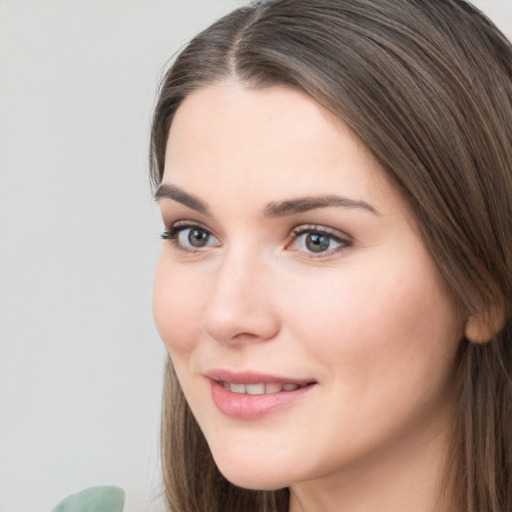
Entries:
{"x":376,"y":320}
{"x":384,"y":344}
{"x":177,"y":304}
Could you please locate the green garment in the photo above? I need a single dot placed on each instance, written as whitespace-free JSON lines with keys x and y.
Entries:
{"x":96,"y":499}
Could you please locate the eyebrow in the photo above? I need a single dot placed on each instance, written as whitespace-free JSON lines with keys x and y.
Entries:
{"x":272,"y":210}
{"x":304,"y":204}
{"x":179,"y":195}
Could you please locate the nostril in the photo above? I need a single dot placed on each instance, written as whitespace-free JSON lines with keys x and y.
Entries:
{"x":237,"y":323}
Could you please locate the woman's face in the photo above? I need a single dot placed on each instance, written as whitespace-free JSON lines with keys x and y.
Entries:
{"x":309,"y":327}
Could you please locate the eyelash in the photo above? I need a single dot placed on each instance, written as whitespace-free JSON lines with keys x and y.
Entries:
{"x":344,"y":242}
{"x":172,"y":233}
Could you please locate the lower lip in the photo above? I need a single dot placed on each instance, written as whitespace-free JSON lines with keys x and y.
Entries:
{"x":251,"y":407}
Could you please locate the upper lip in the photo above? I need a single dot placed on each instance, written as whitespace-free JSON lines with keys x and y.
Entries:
{"x":250,"y":377}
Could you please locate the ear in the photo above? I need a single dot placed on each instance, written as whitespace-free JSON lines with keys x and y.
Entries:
{"x":482,"y":327}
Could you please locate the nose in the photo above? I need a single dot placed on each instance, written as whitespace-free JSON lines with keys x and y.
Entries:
{"x":241,"y":308}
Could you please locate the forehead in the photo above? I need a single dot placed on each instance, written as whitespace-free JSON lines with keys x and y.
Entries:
{"x":226,"y":138}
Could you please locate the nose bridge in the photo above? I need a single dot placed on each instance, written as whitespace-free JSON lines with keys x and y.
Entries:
{"x":240,"y":305}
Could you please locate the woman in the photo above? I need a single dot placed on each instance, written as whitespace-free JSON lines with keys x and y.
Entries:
{"x":334,"y":288}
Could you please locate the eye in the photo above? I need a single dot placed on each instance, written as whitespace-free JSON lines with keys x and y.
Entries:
{"x":317,"y":240}
{"x":189,"y":237}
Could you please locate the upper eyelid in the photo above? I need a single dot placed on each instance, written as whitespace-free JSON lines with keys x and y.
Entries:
{"x":299,"y":228}
{"x":314,"y":227}
{"x":186,"y":224}
{"x":319,"y":228}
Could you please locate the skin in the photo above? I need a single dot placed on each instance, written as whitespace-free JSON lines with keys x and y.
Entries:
{"x":369,"y":319}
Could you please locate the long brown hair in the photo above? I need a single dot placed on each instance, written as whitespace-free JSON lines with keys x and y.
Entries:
{"x":427,"y":86}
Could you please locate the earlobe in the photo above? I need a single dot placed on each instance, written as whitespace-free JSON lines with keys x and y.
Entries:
{"x":482,"y":327}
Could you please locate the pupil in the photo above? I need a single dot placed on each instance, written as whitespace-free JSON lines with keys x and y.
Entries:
{"x":317,"y":243}
{"x":197,"y":238}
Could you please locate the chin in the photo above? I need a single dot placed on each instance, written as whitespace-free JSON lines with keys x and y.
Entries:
{"x":254,"y":481}
{"x":257,"y":476}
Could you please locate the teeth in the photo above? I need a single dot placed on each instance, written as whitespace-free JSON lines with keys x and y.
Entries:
{"x":237,"y":388}
{"x":259,"y":389}
{"x":255,"y":389}
{"x":273,"y":387}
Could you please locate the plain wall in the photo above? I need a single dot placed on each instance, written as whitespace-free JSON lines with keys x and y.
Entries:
{"x":80,"y":359}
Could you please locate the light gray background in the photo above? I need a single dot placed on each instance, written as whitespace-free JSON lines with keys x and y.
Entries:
{"x":80,"y":360}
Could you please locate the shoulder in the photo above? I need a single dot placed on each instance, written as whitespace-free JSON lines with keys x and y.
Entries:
{"x":96,"y":499}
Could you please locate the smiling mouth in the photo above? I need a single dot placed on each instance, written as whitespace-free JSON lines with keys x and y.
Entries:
{"x":251,"y":396}
{"x":261,"y":388}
